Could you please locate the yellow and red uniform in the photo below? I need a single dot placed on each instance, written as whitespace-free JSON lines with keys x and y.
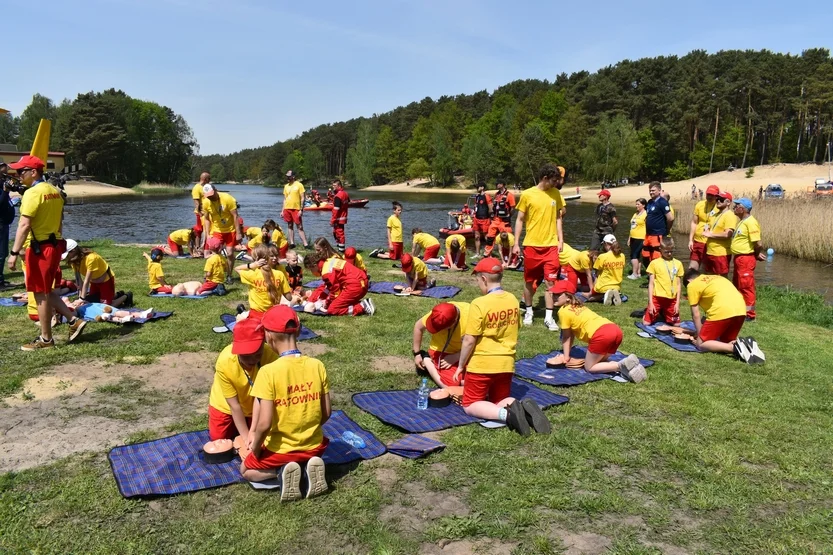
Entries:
{"x":395,"y":228}
{"x":341,"y":203}
{"x":448,"y":342}
{"x":347,"y":286}
{"x":218,"y":210}
{"x":459,"y":259}
{"x":703,"y":211}
{"x":429,"y":244}
{"x":293,"y":200}
{"x":610,"y":270}
{"x":215,"y":267}
{"x":602,"y":336}
{"x":541,"y":211}
{"x":717,"y":249}
{"x":43,"y":204}
{"x":259,"y":299}
{"x":744,"y":245}
{"x":667,"y":276}
{"x":722,"y":304}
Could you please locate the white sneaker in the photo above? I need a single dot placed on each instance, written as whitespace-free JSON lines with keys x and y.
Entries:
{"x":528,"y":319}
{"x":633,"y":276}
{"x":551,"y":325}
{"x":291,"y":482}
{"x":617,"y":297}
{"x":316,"y":478}
{"x":368,"y":306}
{"x":608,"y":299}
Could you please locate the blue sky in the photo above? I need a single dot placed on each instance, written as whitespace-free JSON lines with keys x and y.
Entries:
{"x":247,"y":73}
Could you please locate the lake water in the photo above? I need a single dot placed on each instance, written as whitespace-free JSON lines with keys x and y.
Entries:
{"x":149,"y":219}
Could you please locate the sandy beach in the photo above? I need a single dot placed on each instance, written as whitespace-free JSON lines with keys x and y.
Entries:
{"x":83,"y":189}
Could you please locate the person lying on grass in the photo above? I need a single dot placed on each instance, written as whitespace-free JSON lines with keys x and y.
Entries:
{"x":487,"y":356}
{"x":416,"y":275}
{"x":293,"y":403}
{"x":664,"y":286}
{"x":602,"y":336}
{"x":101,"y":312}
{"x":445,"y":323}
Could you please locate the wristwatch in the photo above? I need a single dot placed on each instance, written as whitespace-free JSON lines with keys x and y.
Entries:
{"x":418,"y":353}
{"x":14,"y":253}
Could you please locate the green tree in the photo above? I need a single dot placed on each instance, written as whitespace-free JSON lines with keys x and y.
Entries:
{"x":614,"y":151}
{"x":442,"y":162}
{"x":650,"y":161}
{"x":390,"y":155}
{"x":8,"y":129}
{"x":315,"y":164}
{"x":418,"y":168}
{"x":531,"y":152}
{"x":294,"y":161}
{"x":478,"y":156}
{"x":40,"y":108}
{"x":218,"y":173}
{"x":570,"y":137}
{"x":361,"y":158}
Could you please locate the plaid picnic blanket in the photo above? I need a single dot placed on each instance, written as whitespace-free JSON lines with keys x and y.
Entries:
{"x":230,"y":321}
{"x":414,"y":446}
{"x":668,"y":339}
{"x":535,"y":369}
{"x":436,"y":292}
{"x":398,"y":407}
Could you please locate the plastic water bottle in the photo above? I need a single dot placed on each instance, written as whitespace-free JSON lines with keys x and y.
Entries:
{"x":770,"y":251}
{"x":422,"y":395}
{"x":352,"y":439}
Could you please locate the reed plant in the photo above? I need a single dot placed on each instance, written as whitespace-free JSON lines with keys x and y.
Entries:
{"x":799,"y":226}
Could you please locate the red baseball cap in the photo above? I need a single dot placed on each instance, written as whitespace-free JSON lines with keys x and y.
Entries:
{"x":407,"y":262}
{"x":281,"y":319}
{"x":488,"y":265}
{"x":726,"y":195}
{"x":28,"y":161}
{"x":213,"y":243}
{"x":442,"y":317}
{"x":604,"y":193}
{"x":350,"y":252}
{"x":713,"y":190}
{"x":248,"y":337}
{"x":563,"y":286}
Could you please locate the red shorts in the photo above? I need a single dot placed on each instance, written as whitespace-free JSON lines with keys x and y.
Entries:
{"x":228,"y":239}
{"x":175,"y":248}
{"x":605,"y":340}
{"x":744,"y":279}
{"x":396,"y":252}
{"x":481,"y":226}
{"x":198,"y":227}
{"x":43,"y":269}
{"x":718,"y":265}
{"x":34,"y":317}
{"x":207,"y":286}
{"x":446,"y":374}
{"x":666,"y":310}
{"x":106,"y":291}
{"x":486,"y":387}
{"x":698,"y":252}
{"x":291,"y":216}
{"x":722,"y":330}
{"x":431,"y":252}
{"x":574,"y":277}
{"x":282,"y":250}
{"x":459,"y":260}
{"x":541,"y":264}
{"x":650,"y":247}
{"x":221,"y":425}
{"x":256,"y":314}
{"x":269,"y":460}
{"x":163,"y":289}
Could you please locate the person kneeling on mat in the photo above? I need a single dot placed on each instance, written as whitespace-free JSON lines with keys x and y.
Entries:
{"x":445,"y":323}
{"x":602,"y":336}
{"x":230,"y":403}
{"x":487,"y":355}
{"x":416,"y":274}
{"x":156,"y":276}
{"x":293,"y":403}
{"x":346,"y":286}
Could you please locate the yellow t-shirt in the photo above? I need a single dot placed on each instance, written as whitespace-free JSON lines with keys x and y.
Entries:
{"x":92,"y":263}
{"x":420,"y":269}
{"x":667,"y":275}
{"x":255,"y":241}
{"x":44,"y":205}
{"x":493,"y":319}
{"x":541,"y":210}
{"x":219,"y":212}
{"x":747,"y":234}
{"x":717,"y":297}
{"x":565,"y":254}
{"x":296,"y":384}
{"x":581,"y":320}
{"x":580,"y":261}
{"x":703,"y":210}
{"x":230,"y":380}
{"x":510,"y":241}
{"x":450,"y":340}
{"x":252,"y":232}
{"x":460,"y":239}
{"x":395,"y":227}
{"x":425,"y":240}
{"x":719,"y":223}
{"x":611,"y":268}
{"x":155,"y":273}
{"x":278,"y":238}
{"x":196,"y":194}
{"x":358,"y":262}
{"x":215,"y":267}
{"x":638,"y":229}
{"x":293,"y":196}
{"x":181,"y":237}
{"x":259,"y":292}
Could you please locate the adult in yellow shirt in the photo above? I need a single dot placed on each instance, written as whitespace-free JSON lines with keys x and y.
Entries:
{"x":725,"y":311}
{"x":184,"y":238}
{"x":637,"y":237}
{"x":230,"y":403}
{"x":97,"y":282}
{"x":394,"y":230}
{"x":222,"y":221}
{"x":446,"y":323}
{"x":610,"y":267}
{"x":487,"y":355}
{"x":602,"y":336}
{"x":746,"y":250}
{"x":293,"y":404}
{"x":455,"y":252}
{"x":722,"y":225}
{"x":267,"y":286}
{"x":41,"y":217}
{"x":424,"y":243}
{"x":539,"y":209}
{"x":197,"y":197}
{"x":702,"y":214}
{"x":665,"y":276}
{"x":293,"y":208}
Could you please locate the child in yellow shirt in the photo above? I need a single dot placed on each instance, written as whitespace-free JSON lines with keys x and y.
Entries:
{"x":416,"y":274}
{"x":610,"y":267}
{"x":215,"y":267}
{"x":664,"y":286}
{"x":156,"y":277}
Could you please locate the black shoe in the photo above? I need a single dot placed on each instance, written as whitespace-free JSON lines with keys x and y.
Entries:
{"x":291,"y":245}
{"x":241,"y":309}
{"x":535,"y":417}
{"x":128,"y":302}
{"x":516,"y":419}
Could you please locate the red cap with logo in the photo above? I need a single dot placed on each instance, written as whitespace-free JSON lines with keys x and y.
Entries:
{"x":442,"y":317}
{"x":726,"y":195}
{"x":28,"y":161}
{"x":488,"y":265}
{"x":248,"y":337}
{"x":563,"y":286}
{"x":407,"y":262}
{"x":281,"y":319}
{"x":713,"y":190}
{"x":604,"y":193}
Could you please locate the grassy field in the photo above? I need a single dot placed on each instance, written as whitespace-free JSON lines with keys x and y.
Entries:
{"x":708,"y":455}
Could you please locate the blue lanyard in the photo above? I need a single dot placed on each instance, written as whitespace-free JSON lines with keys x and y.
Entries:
{"x":295,"y":352}
{"x":493,"y":289}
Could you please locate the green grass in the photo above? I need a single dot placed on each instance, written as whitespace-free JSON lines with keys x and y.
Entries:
{"x":708,"y":455}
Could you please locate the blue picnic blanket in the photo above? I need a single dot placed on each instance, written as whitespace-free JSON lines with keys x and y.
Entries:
{"x":436,"y":292}
{"x":398,"y":408}
{"x":535,"y":369}
{"x":175,"y":464}
{"x":9,"y":301}
{"x":432,"y":267}
{"x":202,"y":296}
{"x":414,"y":446}
{"x":300,"y":309}
{"x":314,"y":284}
{"x":668,"y":339}
{"x":230,"y":321}
{"x":583,"y":297}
